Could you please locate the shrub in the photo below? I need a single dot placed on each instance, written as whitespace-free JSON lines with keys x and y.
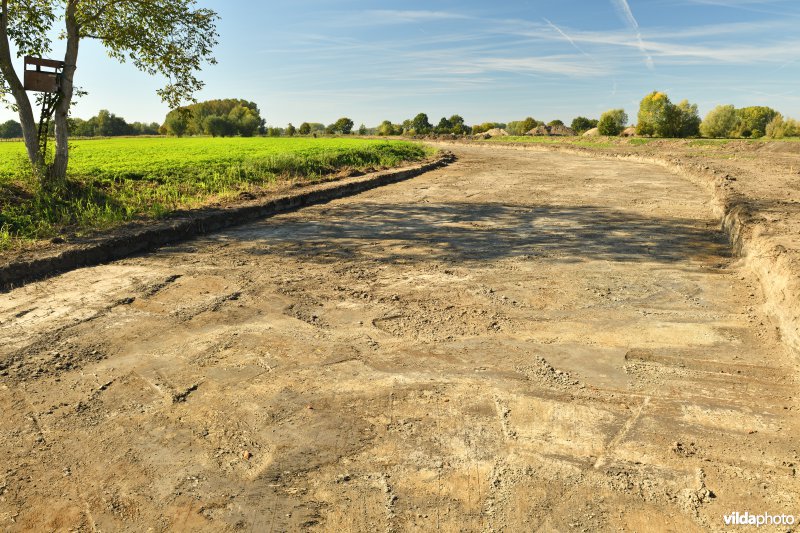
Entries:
{"x":753,"y":120}
{"x":612,"y":122}
{"x":720,"y":122}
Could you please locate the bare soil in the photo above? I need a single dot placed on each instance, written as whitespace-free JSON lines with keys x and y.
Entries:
{"x":522,"y":341}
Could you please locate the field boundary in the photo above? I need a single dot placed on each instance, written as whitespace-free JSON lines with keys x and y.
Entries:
{"x":148,"y":236}
{"x":777,"y":269}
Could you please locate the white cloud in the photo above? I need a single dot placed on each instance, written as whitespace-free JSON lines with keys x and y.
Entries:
{"x":395,"y":16}
{"x":563,"y":65}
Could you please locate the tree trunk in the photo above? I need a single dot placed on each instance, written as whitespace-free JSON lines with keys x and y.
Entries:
{"x":57,"y":172}
{"x":24,"y":108}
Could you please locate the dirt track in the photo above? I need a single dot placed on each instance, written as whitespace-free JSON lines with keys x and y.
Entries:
{"x":521,"y":341}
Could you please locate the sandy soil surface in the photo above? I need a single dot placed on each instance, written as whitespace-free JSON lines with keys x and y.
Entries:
{"x":521,"y":341}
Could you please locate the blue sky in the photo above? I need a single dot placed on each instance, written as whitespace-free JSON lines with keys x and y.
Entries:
{"x":318,"y":60}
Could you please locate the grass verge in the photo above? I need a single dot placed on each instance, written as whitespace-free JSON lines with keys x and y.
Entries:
{"x":113,"y":181}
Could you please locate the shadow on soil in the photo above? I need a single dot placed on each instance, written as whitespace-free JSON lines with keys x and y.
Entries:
{"x":482,"y":232}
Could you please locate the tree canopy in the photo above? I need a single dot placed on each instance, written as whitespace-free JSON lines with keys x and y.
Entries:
{"x":612,"y":122}
{"x":720,"y":122}
{"x":386,"y":129}
{"x":220,"y":118}
{"x":753,"y":120}
{"x":344,"y":126}
{"x":10,"y":130}
{"x":659,"y":117}
{"x":421,"y":125}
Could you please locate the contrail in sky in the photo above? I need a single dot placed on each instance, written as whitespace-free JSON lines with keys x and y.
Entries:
{"x":568,"y":38}
{"x":625,"y":10}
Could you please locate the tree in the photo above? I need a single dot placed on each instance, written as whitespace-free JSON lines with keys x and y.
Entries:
{"x":556,"y":122}
{"x":140,"y":128}
{"x":659,"y":117}
{"x":387,"y":128}
{"x":81,"y":128}
{"x":110,"y":125}
{"x":421,"y":125}
{"x":177,"y":122}
{"x":779,"y":128}
{"x":753,"y":120}
{"x":612,"y":122}
{"x":362,"y":130}
{"x":458,"y":125}
{"x":10,"y":130}
{"x":218,"y":126}
{"x":720,"y":122}
{"x":344,"y":126}
{"x":583,"y":124}
{"x":167,"y":37}
{"x":290,"y":130}
{"x":791,"y":128}
{"x":305,"y":128}
{"x":245,"y":119}
{"x":688,"y":120}
{"x":444,"y":127}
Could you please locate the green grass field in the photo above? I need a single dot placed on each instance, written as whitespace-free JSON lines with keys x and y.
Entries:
{"x":116,"y":180}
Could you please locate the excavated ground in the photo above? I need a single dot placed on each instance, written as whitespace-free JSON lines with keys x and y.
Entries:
{"x":521,"y":341}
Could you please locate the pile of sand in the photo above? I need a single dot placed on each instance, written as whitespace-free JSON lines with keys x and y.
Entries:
{"x":552,"y":131}
{"x":497,"y":132}
{"x":539,"y":131}
{"x":562,"y":131}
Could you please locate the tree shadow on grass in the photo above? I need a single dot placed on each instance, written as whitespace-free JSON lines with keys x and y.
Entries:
{"x":480,"y":232}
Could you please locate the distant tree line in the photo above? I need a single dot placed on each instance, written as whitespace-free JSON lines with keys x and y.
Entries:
{"x":105,"y":124}
{"x":725,"y":121}
{"x":658,"y":116}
